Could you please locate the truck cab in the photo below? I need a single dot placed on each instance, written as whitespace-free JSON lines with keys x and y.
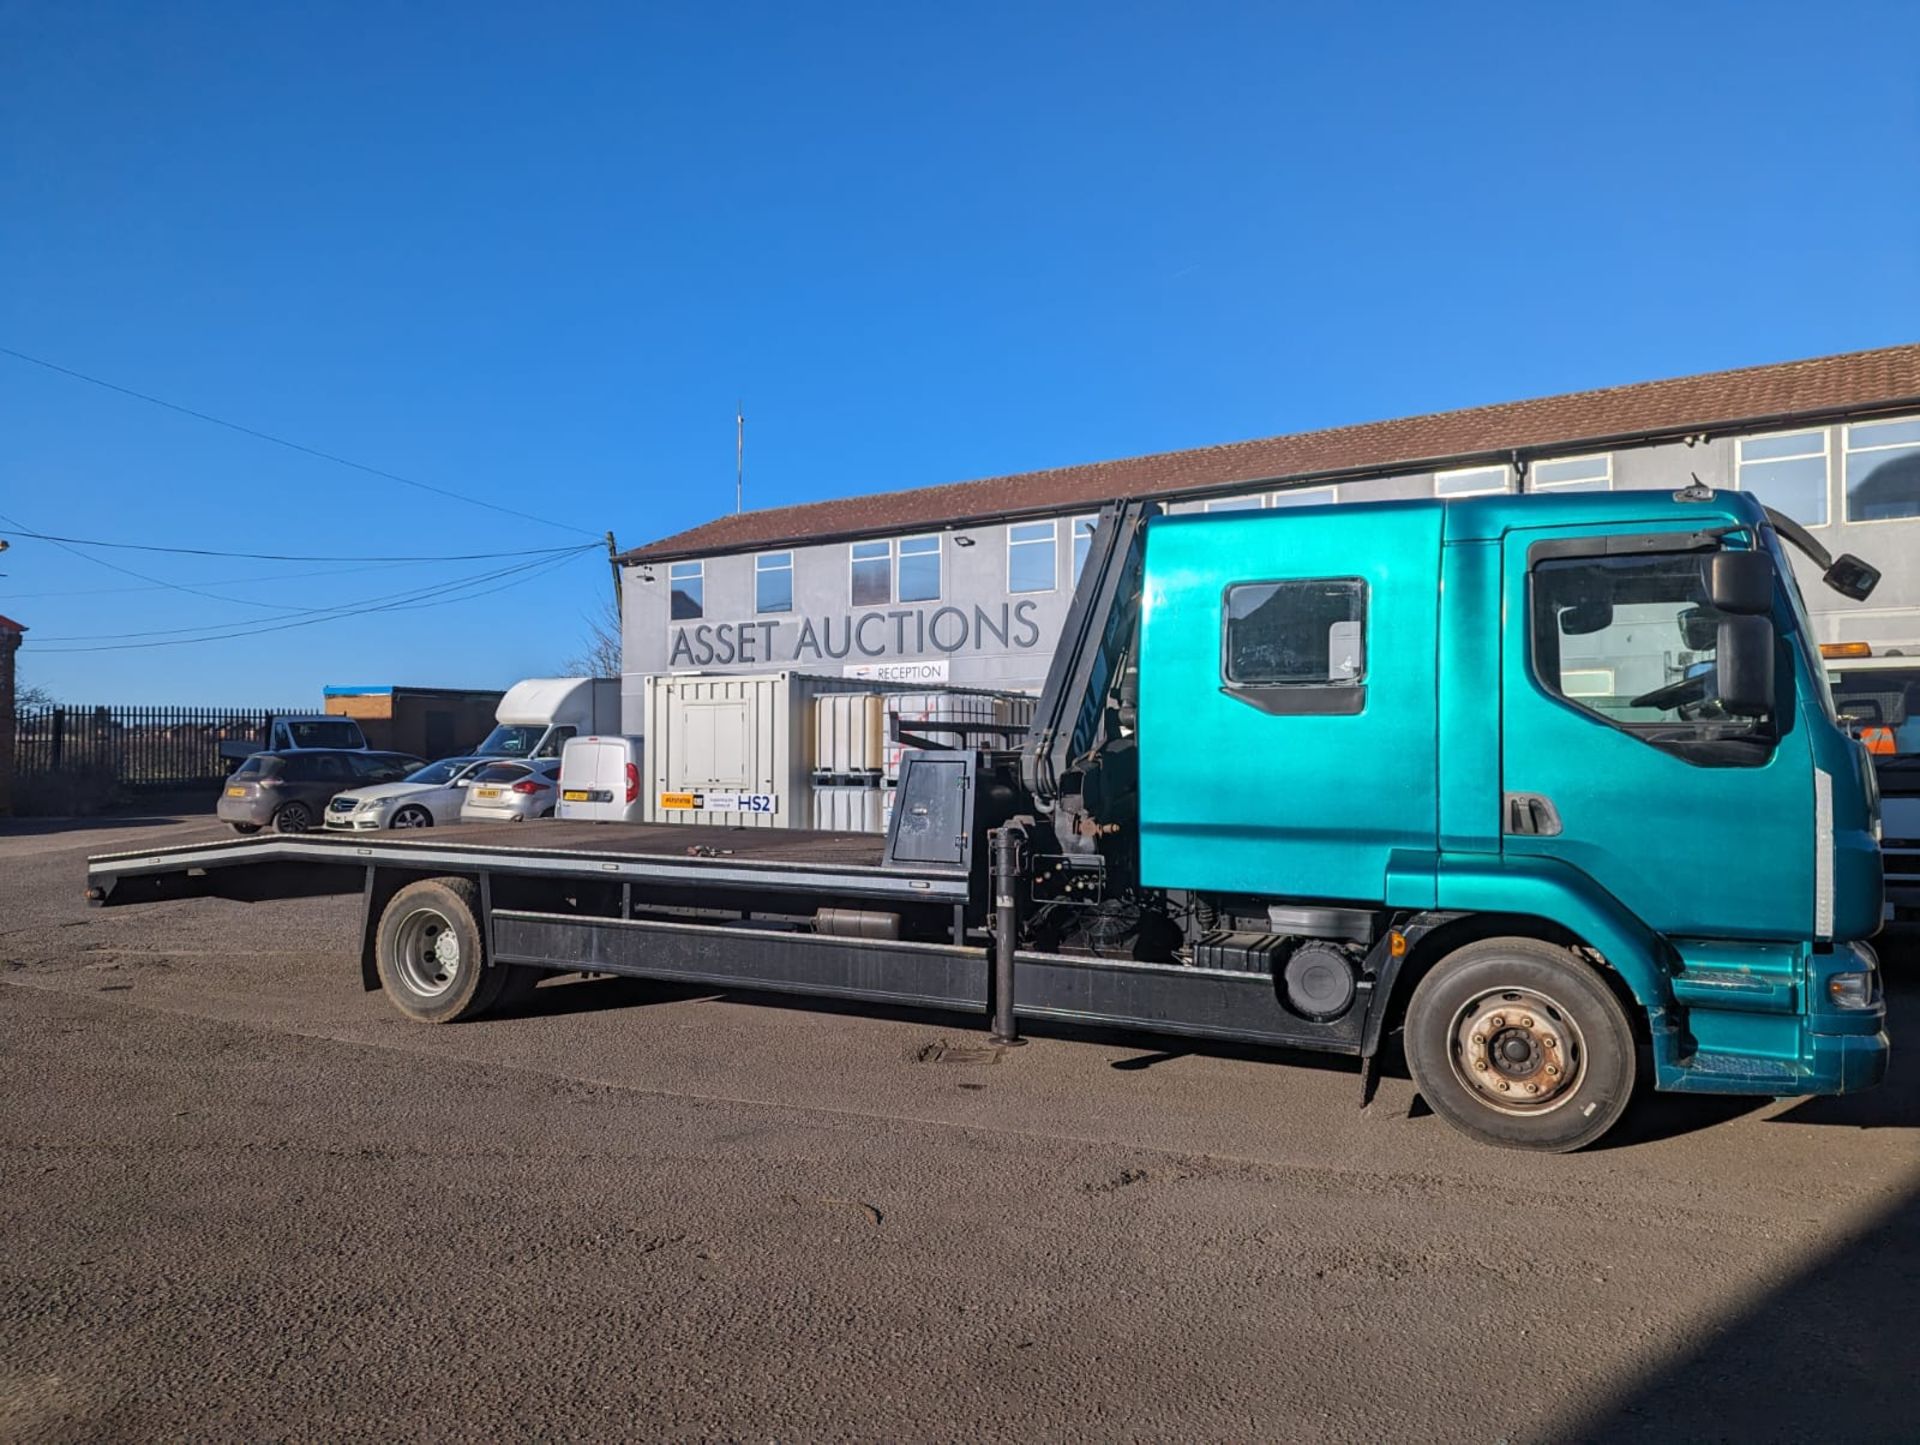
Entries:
{"x":1596,"y":721}
{"x":1876,"y":692}
{"x":294,"y":733}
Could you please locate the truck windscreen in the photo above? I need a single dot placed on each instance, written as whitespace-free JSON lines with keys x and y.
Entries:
{"x":511,"y":742}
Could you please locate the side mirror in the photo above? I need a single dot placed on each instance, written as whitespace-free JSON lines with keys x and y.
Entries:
{"x":1740,"y":582}
{"x":1862,"y":712}
{"x":1851,"y":577}
{"x":1699,"y":629}
{"x":1743,"y":666}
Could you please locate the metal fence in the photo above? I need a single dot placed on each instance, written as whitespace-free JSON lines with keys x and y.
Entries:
{"x":135,"y":747}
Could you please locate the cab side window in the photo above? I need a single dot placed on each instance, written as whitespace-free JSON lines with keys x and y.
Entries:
{"x":1633,"y":640}
{"x":1296,"y":646}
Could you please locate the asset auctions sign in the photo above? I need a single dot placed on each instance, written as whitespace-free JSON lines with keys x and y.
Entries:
{"x":902,"y":632}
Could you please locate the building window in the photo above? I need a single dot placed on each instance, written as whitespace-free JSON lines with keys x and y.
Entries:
{"x":688,"y":581}
{"x":1030,"y":560}
{"x":1574,"y":474}
{"x":1883,"y":470}
{"x":1304,"y":497}
{"x":872,"y":584}
{"x":1082,"y":541}
{"x":919,"y":569}
{"x":1297,"y":647}
{"x":1470,"y":482}
{"x":773,"y":582}
{"x":1787,"y":471}
{"x":1236,"y":504}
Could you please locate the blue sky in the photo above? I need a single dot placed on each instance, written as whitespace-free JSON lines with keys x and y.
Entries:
{"x":533,"y":254}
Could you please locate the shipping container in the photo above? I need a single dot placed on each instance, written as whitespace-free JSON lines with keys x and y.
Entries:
{"x":737,"y":748}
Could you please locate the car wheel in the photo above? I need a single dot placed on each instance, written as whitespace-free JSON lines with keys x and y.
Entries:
{"x":412,"y":818}
{"x":292,"y":818}
{"x":1519,"y":1043}
{"x":246,"y":828}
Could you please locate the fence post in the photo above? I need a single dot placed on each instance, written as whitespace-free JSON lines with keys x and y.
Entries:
{"x":10,"y":632}
{"x":57,"y":741}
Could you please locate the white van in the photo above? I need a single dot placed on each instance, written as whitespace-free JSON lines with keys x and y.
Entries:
{"x":539,"y":714}
{"x":600,"y":780}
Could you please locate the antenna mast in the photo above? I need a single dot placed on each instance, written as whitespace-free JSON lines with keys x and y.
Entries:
{"x":739,"y":456}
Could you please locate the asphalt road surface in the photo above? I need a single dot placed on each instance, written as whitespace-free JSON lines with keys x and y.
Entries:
{"x":242,"y":1199}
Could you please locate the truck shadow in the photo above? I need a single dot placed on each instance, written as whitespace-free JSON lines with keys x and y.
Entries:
{"x":1654,"y":1117}
{"x":1829,"y":1353}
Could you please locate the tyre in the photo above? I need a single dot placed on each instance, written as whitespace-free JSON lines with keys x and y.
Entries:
{"x":412,"y":816}
{"x":292,"y":818}
{"x":246,"y":829}
{"x":1520,"y":1044}
{"x":430,"y":955}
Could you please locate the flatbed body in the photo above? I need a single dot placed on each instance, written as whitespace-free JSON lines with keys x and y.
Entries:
{"x":708,"y":905}
{"x":785,"y":861}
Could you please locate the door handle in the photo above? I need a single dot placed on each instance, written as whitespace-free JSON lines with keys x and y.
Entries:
{"x":1531,"y":815}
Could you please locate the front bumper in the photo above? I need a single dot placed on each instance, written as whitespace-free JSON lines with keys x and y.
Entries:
{"x":1819,"y":1048}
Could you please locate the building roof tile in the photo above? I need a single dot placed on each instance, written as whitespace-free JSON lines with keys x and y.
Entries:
{"x":1823,"y":386}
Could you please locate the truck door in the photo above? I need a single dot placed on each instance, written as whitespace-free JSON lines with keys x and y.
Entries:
{"x":1287,"y":700}
{"x":1617,"y":760}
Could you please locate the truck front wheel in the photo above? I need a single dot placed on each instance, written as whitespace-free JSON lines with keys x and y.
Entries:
{"x":430,"y":954}
{"x":1520,"y":1044}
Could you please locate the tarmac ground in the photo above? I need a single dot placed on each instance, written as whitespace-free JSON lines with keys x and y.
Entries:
{"x":240,"y":1198}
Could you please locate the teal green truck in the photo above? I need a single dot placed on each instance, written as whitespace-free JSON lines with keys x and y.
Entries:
{"x":1549,"y":791}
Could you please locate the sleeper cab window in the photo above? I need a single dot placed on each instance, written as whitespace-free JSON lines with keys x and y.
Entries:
{"x":1297,"y":647}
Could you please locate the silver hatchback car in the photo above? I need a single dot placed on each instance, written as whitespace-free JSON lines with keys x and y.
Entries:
{"x":510,"y":792}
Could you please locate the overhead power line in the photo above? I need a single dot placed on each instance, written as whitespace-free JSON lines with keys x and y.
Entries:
{"x":359,"y":604}
{"x":275,"y":579}
{"x":525,"y":573}
{"x":156,"y":581}
{"x":521,"y":552}
{"x":279,"y":441}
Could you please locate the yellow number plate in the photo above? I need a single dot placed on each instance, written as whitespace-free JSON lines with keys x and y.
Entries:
{"x":486,"y":792}
{"x":575,"y":795}
{"x":236,"y":792}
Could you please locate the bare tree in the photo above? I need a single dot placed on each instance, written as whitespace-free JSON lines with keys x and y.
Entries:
{"x":600,"y":645}
{"x":26,"y":697}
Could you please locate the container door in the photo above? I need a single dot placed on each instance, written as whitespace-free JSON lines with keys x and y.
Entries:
{"x":715,"y":752}
{"x":1615,"y":759}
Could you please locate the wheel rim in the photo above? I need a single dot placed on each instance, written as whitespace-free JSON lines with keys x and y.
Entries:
{"x":411,"y":818}
{"x":1517,"y":1051}
{"x":294,"y":818}
{"x":427,"y":951}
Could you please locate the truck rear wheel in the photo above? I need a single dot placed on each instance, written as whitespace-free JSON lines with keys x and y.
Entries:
{"x":430,"y":954}
{"x":1520,"y":1044}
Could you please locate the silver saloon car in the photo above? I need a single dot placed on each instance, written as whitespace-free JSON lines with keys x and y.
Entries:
{"x":427,"y":796}
{"x":505,"y":792}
